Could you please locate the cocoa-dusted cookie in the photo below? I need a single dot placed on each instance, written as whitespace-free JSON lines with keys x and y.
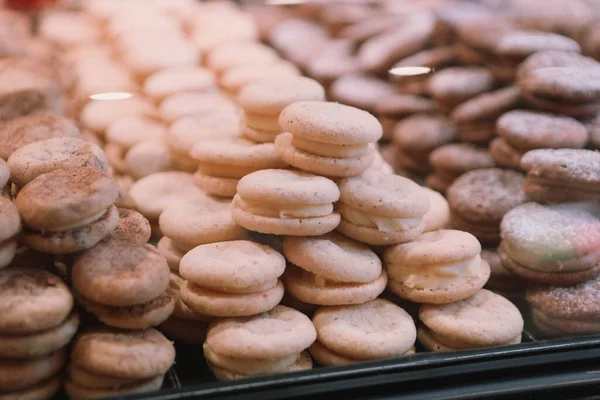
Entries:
{"x":452,"y":160}
{"x":562,"y":175}
{"x":553,"y":59}
{"x":552,"y":245}
{"x":133,"y":228}
{"x":505,"y":155}
{"x":452,"y":86}
{"x":360,"y":90}
{"x":334,"y":59}
{"x":476,"y":118}
{"x":390,"y":109}
{"x":479,"y":199}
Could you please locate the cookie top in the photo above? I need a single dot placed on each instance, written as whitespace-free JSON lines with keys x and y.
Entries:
{"x":376,"y":329}
{"x":485,"y":319}
{"x":528,"y":130}
{"x":278,"y":333}
{"x":34,"y":159}
{"x":237,"y":77}
{"x":241,"y":52}
{"x":460,"y":82}
{"x":206,"y":106}
{"x":188,"y":130}
{"x":97,"y":115}
{"x":235,"y":264}
{"x":286,"y":186}
{"x":25,"y":130}
{"x":271,"y":95}
{"x":32,"y":300}
{"x":403,"y":104}
{"x":65,"y":197}
{"x":579,"y":301}
{"x":520,"y":43}
{"x":238,"y":152}
{"x":572,"y":165}
{"x":133,"y":228}
{"x":10,"y":221}
{"x":460,"y":157}
{"x":134,"y":355}
{"x":577,"y":84}
{"x":118,"y":274}
{"x":423,"y":133}
{"x":329,"y":122}
{"x":485,"y":195}
{"x":552,"y":59}
{"x":153,"y":193}
{"x":432,"y":248}
{"x":360,"y":90}
{"x":131,"y":130}
{"x":438,"y":215}
{"x":487,"y":105}
{"x":165,"y":82}
{"x":334,"y":257}
{"x":384,"y":195}
{"x":538,"y":235}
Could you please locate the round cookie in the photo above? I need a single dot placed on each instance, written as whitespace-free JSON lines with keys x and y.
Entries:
{"x":373,"y":330}
{"x":248,"y":366}
{"x":479,"y":199}
{"x":235,"y":53}
{"x":286,"y":202}
{"x":128,"y":131}
{"x":278,"y":333}
{"x":147,"y":158}
{"x":575,"y":84}
{"x":437,"y":267}
{"x":173,"y":80}
{"x":170,"y":252}
{"x":553,"y":245}
{"x":334,"y":257}
{"x":553,"y":59}
{"x":21,"y":374}
{"x":33,"y":300}
{"x":43,"y":390}
{"x":207,"y":107}
{"x":483,"y":320}
{"x":124,"y":354}
{"x":10,"y":221}
{"x":237,"y":77}
{"x":116,"y":274}
{"x":25,"y":130}
{"x":423,"y":133}
{"x":64,"y":198}
{"x":505,"y":155}
{"x":97,"y":115}
{"x":133,"y":229}
{"x":235,"y":265}
{"x":438,"y":216}
{"x":454,"y":85}
{"x":189,"y":223}
{"x":562,"y":175}
{"x":32,"y":160}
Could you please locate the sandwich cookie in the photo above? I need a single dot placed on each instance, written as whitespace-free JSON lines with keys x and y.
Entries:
{"x":479,"y":199}
{"x":455,"y":85}
{"x":285,"y":202}
{"x":483,"y":320}
{"x":562,"y":175}
{"x":32,"y":160}
{"x":393,"y":108}
{"x":450,"y":161}
{"x":147,"y":158}
{"x":166,"y":82}
{"x":438,"y":216}
{"x":502,"y":281}
{"x":369,"y":331}
{"x":68,"y":210}
{"x":229,"y":55}
{"x":332,"y":270}
{"x":360,"y":90}
{"x":124,"y":286}
{"x":380,"y":209}
{"x":107,"y":362}
{"x":235,"y":78}
{"x":552,"y":245}
{"x":553,"y":59}
{"x":189,"y":223}
{"x":201,"y":104}
{"x":565,"y":311}
{"x":133,"y":229}
{"x":231,"y":279}
{"x":221,"y":163}
{"x":170,"y":252}
{"x":25,"y":130}
{"x":270,"y":342}
{"x":10,"y":225}
{"x":97,"y":115}
{"x":327,"y":138}
{"x":263,"y":101}
{"x":437,"y":267}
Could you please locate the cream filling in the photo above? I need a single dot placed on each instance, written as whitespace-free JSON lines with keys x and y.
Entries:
{"x":382,"y":224}
{"x":328,"y":149}
{"x":78,"y":224}
{"x":224,"y":170}
{"x":435,"y":276}
{"x":283,"y":211}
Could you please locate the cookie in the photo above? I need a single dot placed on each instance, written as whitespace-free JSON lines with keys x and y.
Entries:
{"x":128,"y":131}
{"x":360,"y":90}
{"x":133,"y":229}
{"x":562,"y":175}
{"x":82,"y":384}
{"x":552,"y":245}
{"x":479,"y":199}
{"x":428,"y":61}
{"x":452,"y":160}
{"x":438,"y":216}
{"x":234,"y":78}
{"x":483,"y":320}
{"x":390,"y":109}
{"x":228,"y":55}
{"x":505,"y":155}
{"x":381,"y":209}
{"x":142,"y":354}
{"x":437,"y":267}
{"x":19,"y":375}
{"x":189,"y":223}
{"x":222,"y":163}
{"x":29,"y":129}
{"x":283,"y":202}
{"x":184,"y":331}
{"x":243,"y":366}
{"x":263,"y":101}
{"x":147,"y":158}
{"x":10,"y":225}
{"x":40,"y":157}
{"x":565,"y":311}
{"x":205,"y":105}
{"x":303,"y":362}
{"x":97,"y":115}
{"x":166,"y":82}
{"x":374,"y":330}
{"x":515,"y":45}
{"x":170,"y":252}
{"x":166,"y":53}
{"x":43,"y":390}
{"x":530,"y":130}
{"x":33,"y":301}
{"x":333,"y":60}
{"x":502,"y":281}
{"x":553,"y":59}
{"x":452,"y":86}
